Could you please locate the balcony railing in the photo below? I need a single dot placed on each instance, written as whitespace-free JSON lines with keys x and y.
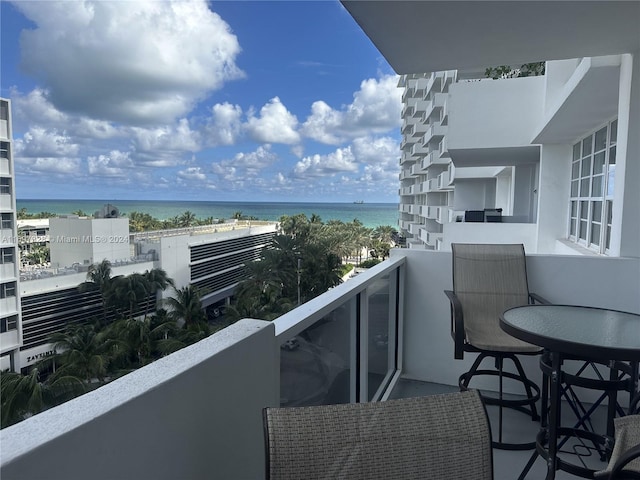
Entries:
{"x":197,"y":413}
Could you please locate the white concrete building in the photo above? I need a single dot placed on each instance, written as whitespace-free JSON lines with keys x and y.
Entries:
{"x":554,"y":152}
{"x":10,"y":318}
{"x":86,"y":240}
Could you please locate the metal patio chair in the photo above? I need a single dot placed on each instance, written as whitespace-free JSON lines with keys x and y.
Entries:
{"x":487,"y":280}
{"x":625,"y":458}
{"x":440,"y":436}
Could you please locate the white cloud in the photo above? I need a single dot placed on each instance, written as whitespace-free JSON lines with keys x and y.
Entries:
{"x":244,"y":165}
{"x":38,"y":142}
{"x":342,"y":160}
{"x":324,"y":124}
{"x":134,"y":61}
{"x":36,"y":107}
{"x":224,"y":126}
{"x":67,"y":167}
{"x":377,"y":151}
{"x":175,"y":138}
{"x":375,"y":108}
{"x":192,"y":175}
{"x":274,"y":125}
{"x":116,"y":164}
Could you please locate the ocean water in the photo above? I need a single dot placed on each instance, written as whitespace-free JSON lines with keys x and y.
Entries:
{"x":370,"y":214}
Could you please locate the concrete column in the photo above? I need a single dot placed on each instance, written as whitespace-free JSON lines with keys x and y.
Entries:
{"x":625,"y":234}
{"x":553,"y":195}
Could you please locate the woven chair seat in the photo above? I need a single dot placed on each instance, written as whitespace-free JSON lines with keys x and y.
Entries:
{"x":440,"y":437}
{"x":627,"y":437}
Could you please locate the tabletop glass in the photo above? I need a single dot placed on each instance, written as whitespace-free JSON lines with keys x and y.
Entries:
{"x":602,"y":333}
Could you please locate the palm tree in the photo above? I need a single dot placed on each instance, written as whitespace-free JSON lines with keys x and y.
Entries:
{"x":157,"y":280}
{"x":26,"y":395}
{"x":187,"y":219}
{"x":384,"y":233}
{"x":186,"y":306}
{"x":128,"y":292}
{"x":99,"y":278}
{"x":85,"y":353}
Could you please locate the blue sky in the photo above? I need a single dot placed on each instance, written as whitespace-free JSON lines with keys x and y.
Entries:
{"x":224,"y":101}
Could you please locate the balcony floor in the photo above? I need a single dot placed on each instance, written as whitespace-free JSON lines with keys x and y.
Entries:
{"x":509,"y":464}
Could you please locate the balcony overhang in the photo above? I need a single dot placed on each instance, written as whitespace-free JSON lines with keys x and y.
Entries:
{"x":588,"y":99}
{"x":494,"y":157}
{"x":441,"y":35}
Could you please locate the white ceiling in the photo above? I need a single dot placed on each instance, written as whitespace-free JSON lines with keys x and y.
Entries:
{"x":426,"y":36}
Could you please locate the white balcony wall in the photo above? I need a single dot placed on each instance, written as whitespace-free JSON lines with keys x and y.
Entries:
{"x":474,"y":194}
{"x":8,"y":305}
{"x":427,"y":344}
{"x":7,"y":271}
{"x":4,"y":166}
{"x":194,"y":414}
{"x":8,"y":341}
{"x":494,"y":113}
{"x":6,"y":202}
{"x":7,"y":237}
{"x":461,"y":232}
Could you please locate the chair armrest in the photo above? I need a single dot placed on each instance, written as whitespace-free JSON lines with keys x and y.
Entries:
{"x":535,"y":298}
{"x":618,"y":472}
{"x":457,"y":324}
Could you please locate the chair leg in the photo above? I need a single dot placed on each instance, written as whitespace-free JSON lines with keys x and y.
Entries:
{"x":526,"y":405}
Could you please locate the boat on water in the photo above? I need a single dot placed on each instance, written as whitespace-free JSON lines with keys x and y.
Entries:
{"x":359,"y":202}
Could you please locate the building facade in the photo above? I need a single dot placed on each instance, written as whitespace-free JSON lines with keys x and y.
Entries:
{"x":546,"y":159}
{"x":10,"y":318}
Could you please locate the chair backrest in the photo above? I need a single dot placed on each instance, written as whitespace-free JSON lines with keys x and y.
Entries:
{"x":488,"y":279}
{"x":439,"y":436}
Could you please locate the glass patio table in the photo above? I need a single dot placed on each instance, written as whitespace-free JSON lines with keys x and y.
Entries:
{"x":599,"y":335}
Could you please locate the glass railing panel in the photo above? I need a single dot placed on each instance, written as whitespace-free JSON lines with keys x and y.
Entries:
{"x":381,"y":310}
{"x":317,"y":366}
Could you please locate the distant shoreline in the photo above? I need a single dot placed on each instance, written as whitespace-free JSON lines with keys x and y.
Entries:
{"x":370,"y":215}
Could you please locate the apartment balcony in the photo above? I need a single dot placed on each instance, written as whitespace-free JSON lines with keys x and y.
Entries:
{"x":435,"y":83}
{"x":6,"y":202}
{"x":450,"y":76}
{"x":434,"y":104}
{"x":414,"y":228}
{"x":432,"y":237}
{"x":419,"y":150}
{"x":406,"y":143}
{"x":432,"y":212}
{"x":416,"y":169}
{"x":433,"y":134}
{"x":433,"y":158}
{"x":408,"y":110}
{"x":443,"y":148}
{"x":417,"y":129}
{"x":7,"y":237}
{"x":4,"y":166}
{"x":406,"y":173}
{"x":405,"y":157}
{"x":8,"y":271}
{"x":443,"y":215}
{"x":197,"y":413}
{"x":443,"y":181}
{"x":432,"y":185}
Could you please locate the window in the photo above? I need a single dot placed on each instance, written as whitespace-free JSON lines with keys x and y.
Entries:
{"x":8,"y":323}
{"x":6,"y":221}
{"x":8,"y":290}
{"x":5,"y":185}
{"x":7,"y":255}
{"x":4,"y":149}
{"x":592,"y":183}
